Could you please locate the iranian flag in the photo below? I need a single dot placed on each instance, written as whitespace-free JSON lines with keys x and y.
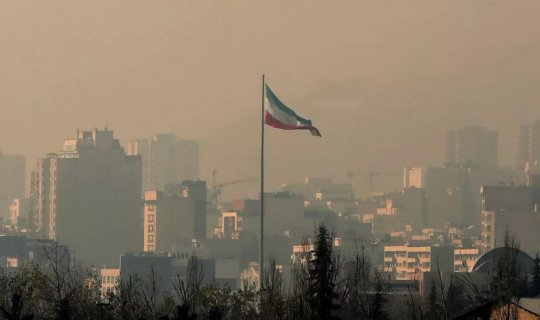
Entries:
{"x":278,"y":115}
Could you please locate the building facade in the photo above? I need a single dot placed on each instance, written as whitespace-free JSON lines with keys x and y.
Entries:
{"x":88,"y":196}
{"x":166,"y":160}
{"x":175,"y":217}
{"x":513,"y":211}
{"x":12,"y":181}
{"x":18,"y":213}
{"x":407,"y":262}
{"x":465,"y":259}
{"x":528,"y":145}
{"x":472,"y":146}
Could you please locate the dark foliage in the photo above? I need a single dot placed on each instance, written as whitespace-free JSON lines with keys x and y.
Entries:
{"x":322,"y":277}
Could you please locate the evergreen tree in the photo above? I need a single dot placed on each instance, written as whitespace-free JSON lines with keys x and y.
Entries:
{"x":322,"y":274}
{"x":535,"y":285}
{"x":379,"y":300}
{"x":458,"y":298}
{"x":433,"y":300}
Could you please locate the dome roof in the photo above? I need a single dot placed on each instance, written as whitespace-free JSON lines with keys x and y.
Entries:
{"x":488,"y":261}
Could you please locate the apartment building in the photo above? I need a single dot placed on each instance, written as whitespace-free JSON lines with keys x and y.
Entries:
{"x":406,"y":262}
{"x":88,"y":196}
{"x":175,"y":217}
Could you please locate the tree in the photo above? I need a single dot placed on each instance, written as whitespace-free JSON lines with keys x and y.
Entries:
{"x":17,"y":295}
{"x":509,"y":282}
{"x":413,"y":312}
{"x":379,"y":299}
{"x":322,"y":277}
{"x":128,"y":303}
{"x":66,"y":289}
{"x":188,"y":290}
{"x":458,"y":298}
{"x":433,"y":302}
{"x":296,"y":305}
{"x":244,"y":304}
{"x":271,"y":294}
{"x":214,"y":302}
{"x":534,"y":289}
{"x":357,"y":286}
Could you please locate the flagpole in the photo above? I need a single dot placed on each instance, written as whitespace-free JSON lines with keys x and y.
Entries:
{"x":261,"y":242}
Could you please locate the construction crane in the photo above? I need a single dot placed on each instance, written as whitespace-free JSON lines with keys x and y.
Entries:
{"x":370,"y":177}
{"x":215,"y":190}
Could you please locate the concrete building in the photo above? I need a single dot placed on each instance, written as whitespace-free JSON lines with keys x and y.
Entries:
{"x":452,"y":192}
{"x":18,"y":213}
{"x":234,"y":224}
{"x":528,"y":145}
{"x":249,"y":277}
{"x":512,"y":209}
{"x":88,"y":196}
{"x":175,"y":217}
{"x":168,"y":267}
{"x":407,"y":262}
{"x":284,"y":213}
{"x":465,"y":259}
{"x":109,"y":281}
{"x":12,"y":181}
{"x":18,"y":250}
{"x":166,"y":160}
{"x":323,"y":189}
{"x":472,"y":146}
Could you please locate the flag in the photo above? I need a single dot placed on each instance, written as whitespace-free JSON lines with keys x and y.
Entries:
{"x":278,"y":115}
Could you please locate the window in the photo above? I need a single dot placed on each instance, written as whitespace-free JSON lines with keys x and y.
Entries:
{"x":150,"y":218}
{"x":151,"y":207}
{"x":151,"y":238}
{"x":150,"y":228}
{"x":150,"y":248}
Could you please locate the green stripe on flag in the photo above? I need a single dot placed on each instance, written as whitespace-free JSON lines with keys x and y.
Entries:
{"x":278,"y":104}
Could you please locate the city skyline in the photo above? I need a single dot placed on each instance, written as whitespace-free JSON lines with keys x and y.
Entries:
{"x":270,"y":160}
{"x":468,"y":65}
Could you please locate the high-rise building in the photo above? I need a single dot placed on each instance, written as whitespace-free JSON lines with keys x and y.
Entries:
{"x":12,"y":181}
{"x":451,"y":192}
{"x":511,"y":210}
{"x":174,"y":217}
{"x":528,"y":145}
{"x":472,"y":146}
{"x":18,"y":213}
{"x":88,"y":196}
{"x":166,"y":160}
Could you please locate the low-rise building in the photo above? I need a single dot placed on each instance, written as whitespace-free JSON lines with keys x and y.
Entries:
{"x":406,"y":262}
{"x":465,"y":259}
{"x":109,"y":281}
{"x":173,"y":218}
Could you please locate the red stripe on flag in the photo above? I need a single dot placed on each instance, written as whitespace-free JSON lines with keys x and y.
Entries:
{"x":273,"y":122}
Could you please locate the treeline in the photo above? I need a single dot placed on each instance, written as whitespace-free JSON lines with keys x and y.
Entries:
{"x":320,"y":285}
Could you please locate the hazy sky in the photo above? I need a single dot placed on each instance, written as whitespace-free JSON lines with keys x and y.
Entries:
{"x":383,"y":80}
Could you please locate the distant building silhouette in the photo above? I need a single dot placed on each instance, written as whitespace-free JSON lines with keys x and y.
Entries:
{"x":166,"y":160}
{"x":472,"y":146}
{"x":88,"y":196}
{"x":512,"y":209}
{"x":528,"y":145}
{"x":18,"y":213}
{"x":12,"y":180}
{"x":174,"y":217}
